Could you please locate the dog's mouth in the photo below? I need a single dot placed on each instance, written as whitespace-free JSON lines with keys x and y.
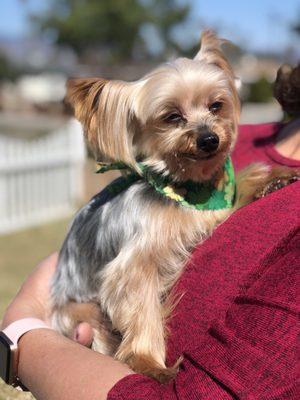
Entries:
{"x":197,"y":157}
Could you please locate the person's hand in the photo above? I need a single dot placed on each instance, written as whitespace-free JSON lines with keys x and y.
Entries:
{"x":33,"y":301}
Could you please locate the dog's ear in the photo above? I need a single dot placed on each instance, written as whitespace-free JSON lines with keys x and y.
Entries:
{"x":211,"y":51}
{"x":105,"y":109}
{"x":83,"y":96}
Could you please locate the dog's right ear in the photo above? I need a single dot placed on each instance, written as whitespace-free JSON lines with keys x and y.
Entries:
{"x":105,"y":109}
{"x":83,"y":96}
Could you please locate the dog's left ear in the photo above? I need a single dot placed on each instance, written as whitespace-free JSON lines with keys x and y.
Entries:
{"x":211,"y":52}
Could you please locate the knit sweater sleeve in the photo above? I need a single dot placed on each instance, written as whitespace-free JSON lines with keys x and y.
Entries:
{"x":251,"y":353}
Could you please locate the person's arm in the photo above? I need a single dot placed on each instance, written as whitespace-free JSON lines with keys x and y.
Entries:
{"x":250,"y":354}
{"x":53,"y":367}
{"x":50,"y":365}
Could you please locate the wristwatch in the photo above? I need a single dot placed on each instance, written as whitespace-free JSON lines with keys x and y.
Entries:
{"x":9,"y":338}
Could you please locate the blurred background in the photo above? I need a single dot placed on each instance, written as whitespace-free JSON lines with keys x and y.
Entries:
{"x":45,"y":173}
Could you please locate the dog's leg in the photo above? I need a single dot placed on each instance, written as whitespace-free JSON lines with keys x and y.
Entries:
{"x":257,"y":180}
{"x":247,"y":182}
{"x":132,"y":300}
{"x":277,"y":179}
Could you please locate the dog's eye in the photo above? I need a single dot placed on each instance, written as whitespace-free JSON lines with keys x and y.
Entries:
{"x":173,"y":118}
{"x":215,"y":107}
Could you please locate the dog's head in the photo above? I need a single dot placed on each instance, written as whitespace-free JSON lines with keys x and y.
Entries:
{"x":181,"y":119}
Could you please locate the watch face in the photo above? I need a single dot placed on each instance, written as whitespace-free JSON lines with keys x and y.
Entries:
{"x":5,"y":357}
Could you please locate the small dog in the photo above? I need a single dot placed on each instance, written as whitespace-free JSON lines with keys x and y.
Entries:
{"x":127,"y":247}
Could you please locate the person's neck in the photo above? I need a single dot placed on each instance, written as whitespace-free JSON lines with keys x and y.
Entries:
{"x":287,"y":141}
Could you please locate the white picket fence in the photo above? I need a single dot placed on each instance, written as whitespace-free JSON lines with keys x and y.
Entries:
{"x":40,"y":179}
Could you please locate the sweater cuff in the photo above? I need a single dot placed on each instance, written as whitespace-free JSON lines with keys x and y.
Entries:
{"x":134,"y":387}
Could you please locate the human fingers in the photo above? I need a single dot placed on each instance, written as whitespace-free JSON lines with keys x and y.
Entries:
{"x":83,"y":334}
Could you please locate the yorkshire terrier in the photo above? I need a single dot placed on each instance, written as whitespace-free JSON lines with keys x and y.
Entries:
{"x":173,"y":131}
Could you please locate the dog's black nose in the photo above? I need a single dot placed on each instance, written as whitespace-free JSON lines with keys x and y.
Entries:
{"x":208,"y":141}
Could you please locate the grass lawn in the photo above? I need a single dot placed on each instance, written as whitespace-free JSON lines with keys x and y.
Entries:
{"x":19,"y":254}
{"x":9,"y":393}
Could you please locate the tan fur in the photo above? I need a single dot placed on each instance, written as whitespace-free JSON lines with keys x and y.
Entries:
{"x":67,"y":318}
{"x":148,"y":271}
{"x":125,"y":121}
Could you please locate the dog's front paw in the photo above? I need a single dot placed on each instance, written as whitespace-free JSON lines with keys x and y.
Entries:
{"x":259,"y":180}
{"x":278,"y":178}
{"x":148,"y":366}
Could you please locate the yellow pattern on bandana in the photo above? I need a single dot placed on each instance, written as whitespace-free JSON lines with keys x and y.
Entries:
{"x":216,"y":194}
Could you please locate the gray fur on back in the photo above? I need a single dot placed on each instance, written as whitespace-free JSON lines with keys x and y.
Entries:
{"x":98,"y":233}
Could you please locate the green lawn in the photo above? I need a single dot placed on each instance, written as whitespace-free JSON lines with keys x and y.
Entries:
{"x":19,"y":254}
{"x":8,"y":393}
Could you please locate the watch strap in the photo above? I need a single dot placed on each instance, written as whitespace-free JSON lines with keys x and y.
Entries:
{"x":13,"y":333}
{"x":16,"y":329}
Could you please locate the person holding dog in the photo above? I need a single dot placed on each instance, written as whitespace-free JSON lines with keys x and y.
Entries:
{"x":236,"y":325}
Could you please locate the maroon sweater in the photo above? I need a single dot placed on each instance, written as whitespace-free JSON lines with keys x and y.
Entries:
{"x":236,"y":324}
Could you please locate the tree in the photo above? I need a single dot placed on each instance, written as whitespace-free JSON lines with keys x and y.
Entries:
{"x":296,"y":27}
{"x":7,"y":70}
{"x":113,"y":26}
{"x":260,"y":91}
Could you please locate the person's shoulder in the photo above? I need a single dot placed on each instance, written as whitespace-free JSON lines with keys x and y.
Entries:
{"x":268,"y":219}
{"x":286,"y":200}
{"x":258,"y":130}
{"x":251,"y":143}
{"x":277,"y":213}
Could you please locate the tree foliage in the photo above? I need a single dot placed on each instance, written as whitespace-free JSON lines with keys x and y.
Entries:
{"x":7,"y":70}
{"x":113,"y":26}
{"x":260,"y":91}
{"x":295,"y":27}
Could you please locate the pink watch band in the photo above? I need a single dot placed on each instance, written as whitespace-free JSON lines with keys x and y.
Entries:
{"x":17,"y":329}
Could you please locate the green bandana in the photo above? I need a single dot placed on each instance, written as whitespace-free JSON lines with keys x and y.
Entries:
{"x":216,"y":194}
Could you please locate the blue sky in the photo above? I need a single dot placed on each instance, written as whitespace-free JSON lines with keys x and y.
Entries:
{"x":257,"y":24}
